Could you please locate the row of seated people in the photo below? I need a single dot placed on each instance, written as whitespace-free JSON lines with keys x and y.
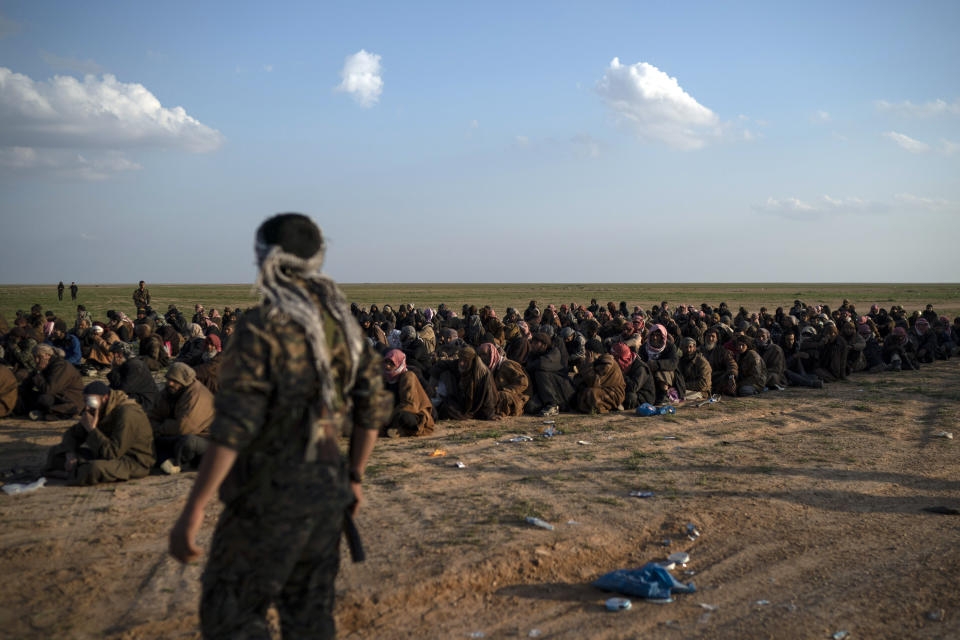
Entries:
{"x":441,"y":366}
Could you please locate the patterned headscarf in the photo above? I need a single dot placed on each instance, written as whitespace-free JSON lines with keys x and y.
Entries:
{"x":292,"y":286}
{"x":623,"y":355}
{"x":399,"y":360}
{"x":652,"y":351}
{"x":489,"y":352}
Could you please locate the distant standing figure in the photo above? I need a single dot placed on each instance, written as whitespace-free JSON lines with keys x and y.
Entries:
{"x":141,"y":296}
{"x":60,"y":289}
{"x":73,"y":290}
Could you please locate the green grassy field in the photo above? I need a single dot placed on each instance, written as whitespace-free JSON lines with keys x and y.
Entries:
{"x":99,"y":298}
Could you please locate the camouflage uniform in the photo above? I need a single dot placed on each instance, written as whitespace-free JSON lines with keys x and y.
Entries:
{"x":277,"y":541}
{"x":141,"y":297}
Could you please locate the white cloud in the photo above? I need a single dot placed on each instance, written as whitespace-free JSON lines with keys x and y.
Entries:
{"x":66,"y":113}
{"x":821,"y":117}
{"x":268,"y":68}
{"x":827,"y":205}
{"x":948,"y":148}
{"x":936,"y":107}
{"x":907,"y":143}
{"x":655,"y":107}
{"x":97,"y":165}
{"x":362,"y":78}
{"x":521,"y":141}
{"x":70,"y":64}
{"x":474,"y":124}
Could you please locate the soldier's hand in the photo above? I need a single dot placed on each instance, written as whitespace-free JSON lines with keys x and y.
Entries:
{"x":183,"y":537}
{"x":358,"y":495}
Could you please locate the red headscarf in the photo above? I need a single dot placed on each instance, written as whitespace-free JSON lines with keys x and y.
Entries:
{"x":622,"y":354}
{"x":399,"y":360}
{"x":215,"y":341}
{"x":489,"y":352}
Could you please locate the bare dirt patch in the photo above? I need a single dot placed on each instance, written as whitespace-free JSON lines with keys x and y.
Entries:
{"x":809,"y":500}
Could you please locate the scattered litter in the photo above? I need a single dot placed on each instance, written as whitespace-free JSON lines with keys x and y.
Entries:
{"x":943,"y":434}
{"x":669,"y":566}
{"x":459,"y":465}
{"x":549,"y":422}
{"x":689,"y":572}
{"x":669,"y":438}
{"x":537,"y":522}
{"x":708,"y":607}
{"x":935,"y":616}
{"x":667,"y":542}
{"x":550,"y":431}
{"x":516,"y":439}
{"x":680,"y":557}
{"x":583,"y":442}
{"x":840,"y":635}
{"x":641,"y":494}
{"x":947,"y":511}
{"x":789,"y":607}
{"x":692,"y":532}
{"x":16,"y":488}
{"x":762,"y":603}
{"x":478,"y":634}
{"x":651,"y":581}
{"x":618,"y":604}
{"x":573,"y":522}
{"x":713,"y":398}
{"x":437,"y":453}
{"x":534,"y":633}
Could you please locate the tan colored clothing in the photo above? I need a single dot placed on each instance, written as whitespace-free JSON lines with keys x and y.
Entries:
{"x":8,"y":391}
{"x":191,"y":412}
{"x":513,"y":388}
{"x":601,"y":387}
{"x":413,"y":399}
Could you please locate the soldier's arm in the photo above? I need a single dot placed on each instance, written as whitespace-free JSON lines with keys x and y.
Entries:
{"x":216,"y":464}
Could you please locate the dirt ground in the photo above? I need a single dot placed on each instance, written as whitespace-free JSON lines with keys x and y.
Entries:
{"x":810,"y":505}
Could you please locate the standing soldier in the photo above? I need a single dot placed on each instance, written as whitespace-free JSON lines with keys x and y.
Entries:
{"x":297,"y":374}
{"x":141,"y":297}
{"x":73,"y":290}
{"x":60,"y":289}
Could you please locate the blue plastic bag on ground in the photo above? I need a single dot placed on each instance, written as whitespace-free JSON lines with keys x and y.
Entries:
{"x":646,"y":409}
{"x":649,"y":581}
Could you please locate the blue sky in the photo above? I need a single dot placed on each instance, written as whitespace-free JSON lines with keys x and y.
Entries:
{"x":514,"y":142}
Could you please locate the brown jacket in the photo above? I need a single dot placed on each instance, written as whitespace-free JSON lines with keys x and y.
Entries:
{"x":62,"y":381}
{"x":513,"y":388}
{"x":697,"y":374}
{"x":191,"y":412}
{"x":411,"y":397}
{"x":8,"y":391}
{"x":601,"y":387}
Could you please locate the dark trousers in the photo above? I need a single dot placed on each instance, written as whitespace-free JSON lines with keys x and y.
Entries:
{"x":182,"y":450}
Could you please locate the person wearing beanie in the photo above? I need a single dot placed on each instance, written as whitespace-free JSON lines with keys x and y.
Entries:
{"x":181,"y":419}
{"x":131,"y":375}
{"x":752,"y":371}
{"x":298,"y":374}
{"x":111,"y":442}
{"x":67,"y":342}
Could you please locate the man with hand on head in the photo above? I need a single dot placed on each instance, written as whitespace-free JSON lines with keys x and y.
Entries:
{"x":111,"y":442}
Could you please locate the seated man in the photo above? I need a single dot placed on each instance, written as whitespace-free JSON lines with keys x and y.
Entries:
{"x":599,"y":386}
{"x":773,"y":360}
{"x":476,"y":393}
{"x":55,"y":391}
{"x":551,"y":389}
{"x":181,"y":419}
{"x":639,"y":386}
{"x":662,"y":358}
{"x":131,"y":375}
{"x":112,"y":441}
{"x":412,"y":412}
{"x":67,"y":342}
{"x":152,"y":351}
{"x":695,"y":369}
{"x":753,"y":373}
{"x":8,"y":390}
{"x":723,"y":365}
{"x":513,"y":386}
{"x":208,"y":371}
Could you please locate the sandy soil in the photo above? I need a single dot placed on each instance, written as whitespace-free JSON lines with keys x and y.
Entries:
{"x":810,"y":501}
